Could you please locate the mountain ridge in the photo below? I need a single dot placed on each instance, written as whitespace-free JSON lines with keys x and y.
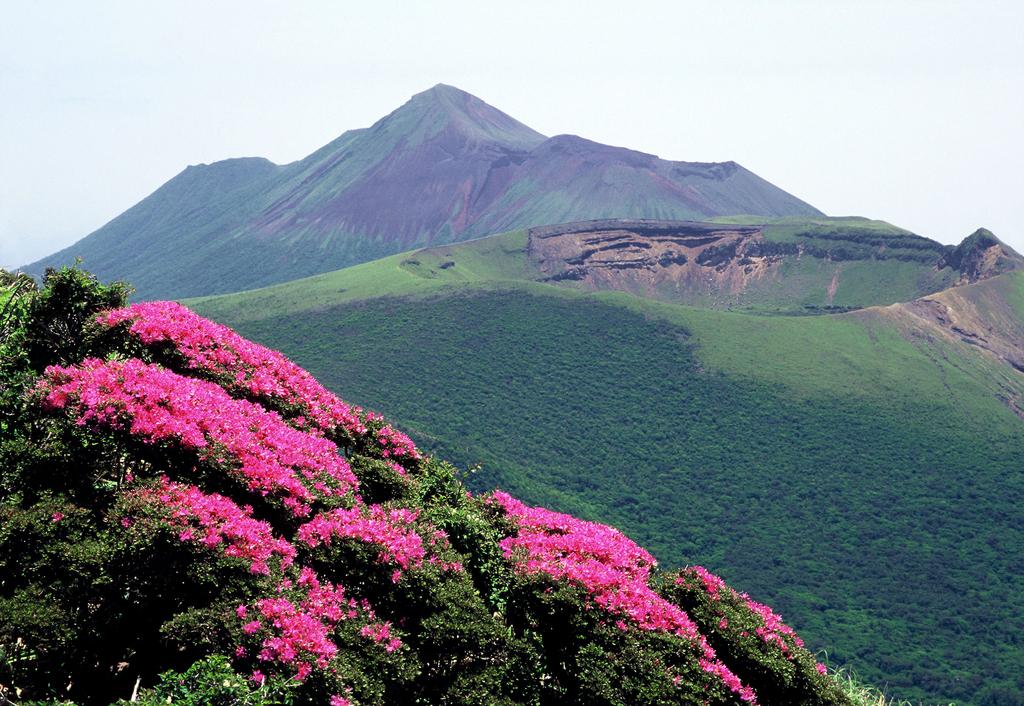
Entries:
{"x":443,"y":167}
{"x":768,"y":266}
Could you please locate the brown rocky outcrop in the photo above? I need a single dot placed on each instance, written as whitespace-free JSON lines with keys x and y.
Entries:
{"x":651,"y":256}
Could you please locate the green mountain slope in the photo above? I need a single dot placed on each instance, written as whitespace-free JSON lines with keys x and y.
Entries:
{"x":875,"y":455}
{"x":190,"y":518}
{"x":444,"y":167}
{"x":786,"y":265}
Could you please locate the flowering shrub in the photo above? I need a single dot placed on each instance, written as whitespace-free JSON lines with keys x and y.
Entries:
{"x":609,"y":566}
{"x":391,"y":530}
{"x":249,"y":369}
{"x":769,"y":653}
{"x":296,"y":630}
{"x":156,"y":405}
{"x":215,"y":521}
{"x":177,"y":495}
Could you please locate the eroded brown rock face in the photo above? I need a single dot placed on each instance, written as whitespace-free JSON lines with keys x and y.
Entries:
{"x":980,"y":256}
{"x":655,"y":258}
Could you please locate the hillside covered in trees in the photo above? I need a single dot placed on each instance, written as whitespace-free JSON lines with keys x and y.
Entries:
{"x":189,"y":517}
{"x":859,"y":471}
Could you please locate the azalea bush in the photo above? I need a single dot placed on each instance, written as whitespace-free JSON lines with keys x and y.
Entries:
{"x":188,"y":517}
{"x":767,"y":653}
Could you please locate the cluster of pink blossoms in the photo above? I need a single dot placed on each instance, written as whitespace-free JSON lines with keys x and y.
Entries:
{"x":298,"y":633}
{"x":393,"y":443}
{"x":217,"y":522}
{"x":712,"y":584}
{"x":773,"y":631}
{"x":157,"y":405}
{"x":251,"y":369}
{"x":391,"y":530}
{"x":295,"y":464}
{"x":610,"y":567}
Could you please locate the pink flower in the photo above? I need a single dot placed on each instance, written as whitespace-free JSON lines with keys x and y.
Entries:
{"x":772,"y":631}
{"x":297,"y":627}
{"x":712,"y":583}
{"x":155,"y":405}
{"x":610,"y":567}
{"x":57,"y":516}
{"x":219,"y":524}
{"x":247,"y":369}
{"x":393,"y":530}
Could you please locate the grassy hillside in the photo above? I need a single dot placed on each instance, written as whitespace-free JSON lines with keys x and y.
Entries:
{"x":878,"y":468}
{"x":822,"y":265}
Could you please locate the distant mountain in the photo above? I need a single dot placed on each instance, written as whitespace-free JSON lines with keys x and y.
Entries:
{"x":860,"y":470}
{"x":444,"y":167}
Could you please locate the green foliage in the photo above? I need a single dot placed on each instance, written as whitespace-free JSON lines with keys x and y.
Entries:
{"x":100,"y":595}
{"x":778,"y":668}
{"x":859,"y":482}
{"x":60,"y":313}
{"x":213,"y":682}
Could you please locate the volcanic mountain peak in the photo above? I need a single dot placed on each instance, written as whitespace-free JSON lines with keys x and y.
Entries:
{"x":443,"y":167}
{"x":447,"y":108}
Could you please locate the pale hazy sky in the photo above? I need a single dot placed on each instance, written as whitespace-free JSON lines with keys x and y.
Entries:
{"x":911,"y":111}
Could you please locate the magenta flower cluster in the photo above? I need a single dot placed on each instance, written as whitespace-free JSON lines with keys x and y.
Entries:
{"x":271,"y":458}
{"x":249,"y":369}
{"x":156,"y":405}
{"x":611,"y":568}
{"x":392,"y":530}
{"x":296,"y":631}
{"x":772,"y":631}
{"x":218,"y":522}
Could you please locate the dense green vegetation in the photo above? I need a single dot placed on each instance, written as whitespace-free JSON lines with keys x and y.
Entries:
{"x":191,"y":519}
{"x":864,"y":481}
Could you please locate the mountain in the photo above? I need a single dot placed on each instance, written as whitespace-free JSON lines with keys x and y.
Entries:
{"x":188,"y":517}
{"x":444,"y":167}
{"x":860,"y":470}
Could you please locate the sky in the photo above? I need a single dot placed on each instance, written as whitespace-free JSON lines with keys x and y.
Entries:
{"x":911,"y":111}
